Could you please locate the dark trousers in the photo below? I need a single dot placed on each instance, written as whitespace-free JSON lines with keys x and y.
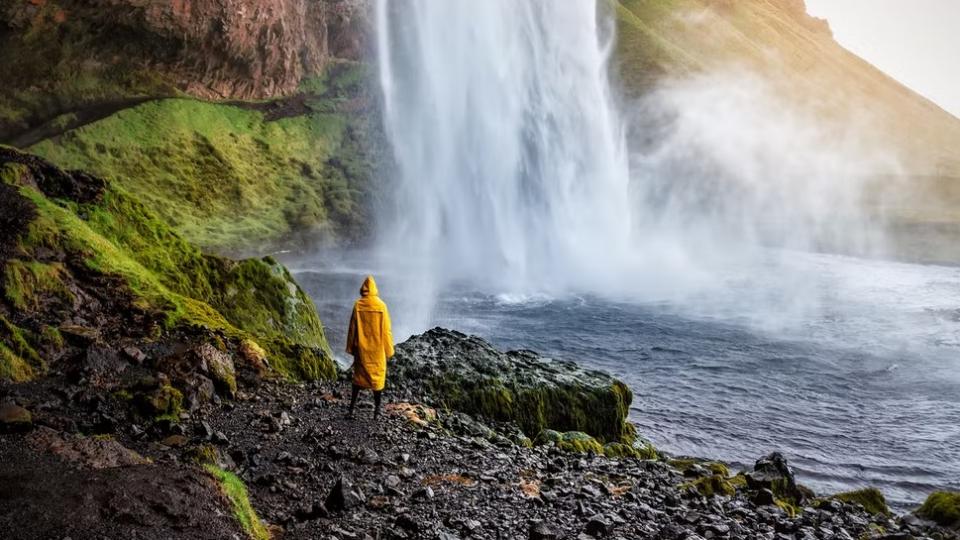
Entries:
{"x":376,"y":400}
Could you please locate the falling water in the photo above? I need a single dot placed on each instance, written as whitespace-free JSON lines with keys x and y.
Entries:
{"x":511,"y":165}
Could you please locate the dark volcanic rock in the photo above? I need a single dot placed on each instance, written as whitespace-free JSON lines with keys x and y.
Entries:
{"x":344,"y":495}
{"x":467,"y":374}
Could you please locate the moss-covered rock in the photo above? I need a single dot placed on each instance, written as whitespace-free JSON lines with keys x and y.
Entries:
{"x":871,"y":499}
{"x":464,"y":373}
{"x":713,"y":485}
{"x":942,"y":507}
{"x":95,"y":264}
{"x":163,"y":402}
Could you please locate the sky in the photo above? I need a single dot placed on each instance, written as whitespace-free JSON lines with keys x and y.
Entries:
{"x":914,"y":41}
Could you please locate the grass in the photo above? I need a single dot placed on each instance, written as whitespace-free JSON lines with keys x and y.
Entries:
{"x":243,"y":511}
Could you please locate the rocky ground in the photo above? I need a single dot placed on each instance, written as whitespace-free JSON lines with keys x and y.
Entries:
{"x":79,"y":467}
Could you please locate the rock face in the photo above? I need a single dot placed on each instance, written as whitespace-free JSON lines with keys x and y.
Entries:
{"x":122,"y":49}
{"x":466,"y":373}
{"x":238,"y":49}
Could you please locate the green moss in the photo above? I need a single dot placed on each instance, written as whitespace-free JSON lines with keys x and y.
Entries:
{"x":19,"y":361}
{"x":739,"y":481}
{"x":224,"y":176}
{"x":205,"y":454}
{"x":788,"y":507}
{"x":122,"y":395}
{"x":713,"y":485}
{"x":26,"y":282}
{"x":165,"y":402}
{"x":871,"y":499}
{"x":942,"y":507}
{"x":243,"y":511}
{"x":571,"y":441}
{"x":52,"y":337}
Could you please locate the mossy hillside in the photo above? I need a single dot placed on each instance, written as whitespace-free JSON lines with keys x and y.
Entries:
{"x":114,"y":235}
{"x":871,"y":499}
{"x":236,"y":492}
{"x":942,"y":507}
{"x":231,"y":177}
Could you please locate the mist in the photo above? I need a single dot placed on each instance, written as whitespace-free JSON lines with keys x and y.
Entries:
{"x":521,"y":174}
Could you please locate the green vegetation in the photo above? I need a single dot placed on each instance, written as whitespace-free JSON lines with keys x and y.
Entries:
{"x":24,"y":282}
{"x":243,"y":511}
{"x":223,"y":176}
{"x":164,"y":402}
{"x":942,"y":507}
{"x":113,"y":235}
{"x":713,"y":485}
{"x":871,"y":499}
{"x":572,"y":441}
{"x":19,"y":361}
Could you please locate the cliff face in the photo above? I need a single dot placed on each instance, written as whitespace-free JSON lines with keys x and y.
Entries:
{"x":62,"y":55}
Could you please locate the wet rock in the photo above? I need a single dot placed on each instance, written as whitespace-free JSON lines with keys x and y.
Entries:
{"x":466,"y":374}
{"x":773,"y":473}
{"x":14,"y":419}
{"x":344,"y":495}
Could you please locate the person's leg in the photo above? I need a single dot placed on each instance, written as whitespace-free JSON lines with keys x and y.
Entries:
{"x":353,"y":399}
{"x":376,"y":402}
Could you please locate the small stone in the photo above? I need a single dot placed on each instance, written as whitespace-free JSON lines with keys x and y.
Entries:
{"x":344,"y":495}
{"x":135,"y":354}
{"x":541,"y":531}
{"x":423,"y":493}
{"x":392,"y":481}
{"x":15,"y":419}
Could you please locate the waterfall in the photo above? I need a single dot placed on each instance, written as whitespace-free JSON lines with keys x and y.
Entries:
{"x":511,"y":167}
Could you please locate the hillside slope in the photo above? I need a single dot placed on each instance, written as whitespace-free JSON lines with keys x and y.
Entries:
{"x":798,"y":56}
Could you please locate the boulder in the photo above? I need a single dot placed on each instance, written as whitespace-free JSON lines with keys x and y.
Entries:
{"x":772,"y":472}
{"x":14,"y":418}
{"x":465,"y":373}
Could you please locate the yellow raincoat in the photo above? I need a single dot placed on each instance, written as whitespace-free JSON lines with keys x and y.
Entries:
{"x":369,"y":338}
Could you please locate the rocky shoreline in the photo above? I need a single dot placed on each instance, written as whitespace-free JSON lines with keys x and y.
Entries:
{"x":281,"y":460}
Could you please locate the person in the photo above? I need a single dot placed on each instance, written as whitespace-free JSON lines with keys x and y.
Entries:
{"x":370,"y":341}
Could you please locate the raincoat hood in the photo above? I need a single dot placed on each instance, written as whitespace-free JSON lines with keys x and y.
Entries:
{"x":369,"y":287}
